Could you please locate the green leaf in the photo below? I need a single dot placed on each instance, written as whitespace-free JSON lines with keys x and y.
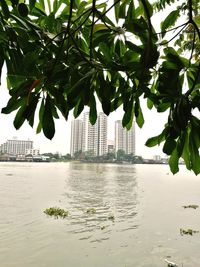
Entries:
{"x":93,"y":111}
{"x":5,"y":8}
{"x":19,"y":118}
{"x":12,"y":105}
{"x":32,"y":4}
{"x":48,"y":121}
{"x":106,"y":106}
{"x":106,"y":51}
{"x":128,"y":115}
{"x":39,"y":128}
{"x":197,"y":20}
{"x":99,"y":27}
{"x":156,"y":140}
{"x":29,"y":113}
{"x":139,"y":114}
{"x":41,"y":111}
{"x":1,"y":61}
{"x":23,"y":9}
{"x":130,"y":12}
{"x":173,"y":162}
{"x":150,"y":8}
{"x":169,"y":21}
{"x":122,"y":10}
{"x":194,"y":155}
{"x":78,"y":108}
{"x":186,"y":152}
{"x":117,"y":8}
{"x":169,"y":146}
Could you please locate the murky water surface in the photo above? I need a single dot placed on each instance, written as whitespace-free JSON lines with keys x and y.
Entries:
{"x":145,"y":200}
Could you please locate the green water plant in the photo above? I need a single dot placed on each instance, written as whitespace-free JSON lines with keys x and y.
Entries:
{"x":91,"y":211}
{"x":191,"y":206}
{"x":56,"y":212}
{"x":111,"y":217}
{"x":188,"y":232}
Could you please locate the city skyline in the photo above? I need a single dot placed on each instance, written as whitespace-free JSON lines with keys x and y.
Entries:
{"x":93,"y":139}
{"x":86,"y":137}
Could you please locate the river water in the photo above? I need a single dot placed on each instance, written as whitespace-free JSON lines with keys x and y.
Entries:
{"x":146,"y":202}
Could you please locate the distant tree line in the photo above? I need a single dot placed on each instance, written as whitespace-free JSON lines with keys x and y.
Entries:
{"x":119,"y":156}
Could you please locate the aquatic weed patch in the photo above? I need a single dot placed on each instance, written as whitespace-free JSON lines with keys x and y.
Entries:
{"x":56,"y":212}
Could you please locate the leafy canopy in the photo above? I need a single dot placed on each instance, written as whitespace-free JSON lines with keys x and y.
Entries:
{"x":64,"y":54}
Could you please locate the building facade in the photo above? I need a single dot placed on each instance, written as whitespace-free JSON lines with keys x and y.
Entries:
{"x":91,"y":139}
{"x":90,"y":136}
{"x":111,"y":146}
{"x":16,"y":147}
{"x":76,"y":136}
{"x":102,"y":145}
{"x":124,"y":139}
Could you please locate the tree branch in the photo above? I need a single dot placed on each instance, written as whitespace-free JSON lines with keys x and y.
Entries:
{"x":193,"y":43}
{"x":173,"y":29}
{"x":191,"y":18}
{"x":103,"y":14}
{"x":164,"y":43}
{"x":92,"y":27}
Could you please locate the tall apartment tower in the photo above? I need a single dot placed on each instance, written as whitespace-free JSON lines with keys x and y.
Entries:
{"x":16,"y":147}
{"x":102,"y":134}
{"x":89,"y":138}
{"x":76,"y":136}
{"x":90,"y":135}
{"x":124,"y":139}
{"x":95,"y":136}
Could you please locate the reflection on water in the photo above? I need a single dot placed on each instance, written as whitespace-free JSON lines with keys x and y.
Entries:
{"x":110,"y":192}
{"x":119,"y":215}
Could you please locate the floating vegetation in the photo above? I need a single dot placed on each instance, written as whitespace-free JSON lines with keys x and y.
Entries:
{"x":111,"y":217}
{"x":9,"y":174}
{"x":191,"y":206}
{"x":103,"y":227}
{"x":91,"y":211}
{"x":188,"y":232}
{"x":56,"y":212}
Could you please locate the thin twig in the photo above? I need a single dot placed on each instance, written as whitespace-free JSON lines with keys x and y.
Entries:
{"x":92,"y":27}
{"x":104,"y":13}
{"x":193,"y":43}
{"x":191,"y":18}
{"x":63,"y":40}
{"x":79,"y":50}
{"x":173,"y":29}
{"x":99,"y":13}
{"x":173,"y":36}
{"x":62,"y":32}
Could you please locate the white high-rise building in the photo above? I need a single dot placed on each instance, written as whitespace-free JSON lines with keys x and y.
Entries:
{"x":124,"y":139}
{"x":16,"y":147}
{"x":76,"y":136}
{"x":89,"y":138}
{"x":90,"y":135}
{"x":102,"y":134}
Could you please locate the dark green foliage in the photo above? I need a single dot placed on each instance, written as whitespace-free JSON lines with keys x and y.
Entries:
{"x":22,"y":9}
{"x":70,"y":54}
